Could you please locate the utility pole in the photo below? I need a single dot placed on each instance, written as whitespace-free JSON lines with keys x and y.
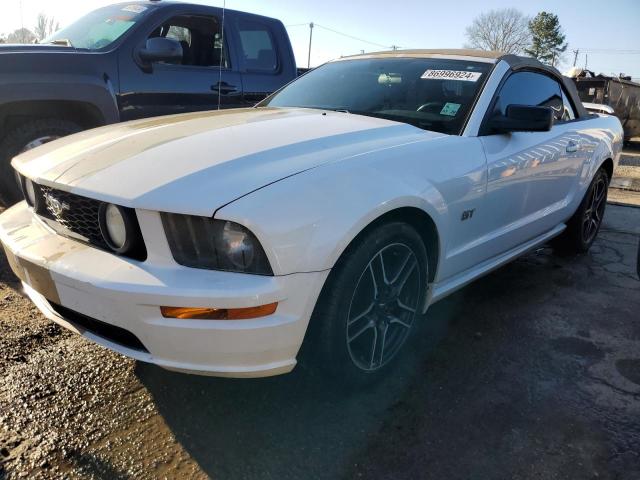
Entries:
{"x":21,"y":23}
{"x":575,"y":57}
{"x":394,"y":47}
{"x":586,"y":60}
{"x":310,"y":38}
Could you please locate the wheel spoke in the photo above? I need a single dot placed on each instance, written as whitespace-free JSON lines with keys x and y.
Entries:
{"x":404,"y":274}
{"x":401,"y":269}
{"x":405,"y":307}
{"x":396,"y":320}
{"x":377,"y":352}
{"x":600,"y":192}
{"x":375,"y":283}
{"x":586,"y":228}
{"x":378,"y":274}
{"x":384,"y":271}
{"x":362,"y":315}
{"x":366,"y":327}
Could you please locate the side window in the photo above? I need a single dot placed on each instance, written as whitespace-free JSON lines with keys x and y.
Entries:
{"x":530,"y":88}
{"x":257,"y":47}
{"x":200,"y":38}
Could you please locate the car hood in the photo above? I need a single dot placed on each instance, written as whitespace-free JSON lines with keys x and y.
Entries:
{"x":198,"y":162}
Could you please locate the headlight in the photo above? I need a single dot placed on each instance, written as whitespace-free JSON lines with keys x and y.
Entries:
{"x":120,"y":229}
{"x":203,"y":242}
{"x":29,"y":192}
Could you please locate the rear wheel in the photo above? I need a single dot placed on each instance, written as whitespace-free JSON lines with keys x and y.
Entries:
{"x":584,"y":225}
{"x":371,"y":300}
{"x":28,"y":135}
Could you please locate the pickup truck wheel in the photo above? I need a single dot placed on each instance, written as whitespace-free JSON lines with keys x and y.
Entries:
{"x":584,"y":225}
{"x":367,"y":309}
{"x":28,"y":135}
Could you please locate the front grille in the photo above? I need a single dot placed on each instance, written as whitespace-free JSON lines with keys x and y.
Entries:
{"x":75,"y":213}
{"x":79,"y":218}
{"x":104,"y":330}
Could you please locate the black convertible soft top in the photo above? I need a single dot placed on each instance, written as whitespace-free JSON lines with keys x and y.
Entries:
{"x":517,"y":62}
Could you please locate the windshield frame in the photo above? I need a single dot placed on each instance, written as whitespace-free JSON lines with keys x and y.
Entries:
{"x":150,"y":8}
{"x":397,"y":55}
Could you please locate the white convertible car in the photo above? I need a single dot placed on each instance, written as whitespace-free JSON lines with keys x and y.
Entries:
{"x":334,"y":213}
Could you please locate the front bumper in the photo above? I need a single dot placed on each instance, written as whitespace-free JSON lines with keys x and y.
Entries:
{"x":127,"y":294}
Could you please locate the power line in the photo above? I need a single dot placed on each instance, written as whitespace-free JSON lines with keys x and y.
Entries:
{"x":351,"y":36}
{"x":610,"y":51}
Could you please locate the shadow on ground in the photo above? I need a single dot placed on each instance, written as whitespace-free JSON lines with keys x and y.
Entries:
{"x":532,"y":372}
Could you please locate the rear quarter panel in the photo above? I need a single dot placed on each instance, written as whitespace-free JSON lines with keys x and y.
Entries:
{"x":602,"y":139}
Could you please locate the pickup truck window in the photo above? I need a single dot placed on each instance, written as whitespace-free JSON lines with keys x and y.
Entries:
{"x":429,"y":93}
{"x":535,"y":89}
{"x":200,"y":37}
{"x":100,"y":28}
{"x":258,"y":50}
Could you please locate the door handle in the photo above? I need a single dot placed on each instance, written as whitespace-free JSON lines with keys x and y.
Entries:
{"x":572,"y":147}
{"x":223,"y":88}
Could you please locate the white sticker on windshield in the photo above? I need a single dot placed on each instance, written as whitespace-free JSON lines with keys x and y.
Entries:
{"x":450,"y":109}
{"x":134,"y":8}
{"x":451,"y":75}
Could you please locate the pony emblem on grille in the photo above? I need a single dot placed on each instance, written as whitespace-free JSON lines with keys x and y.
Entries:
{"x":54,"y":205}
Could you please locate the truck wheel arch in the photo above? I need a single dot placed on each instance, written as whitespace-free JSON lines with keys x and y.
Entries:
{"x":84,"y":114}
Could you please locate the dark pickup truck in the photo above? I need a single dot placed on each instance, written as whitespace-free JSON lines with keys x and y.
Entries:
{"x":134,"y":60}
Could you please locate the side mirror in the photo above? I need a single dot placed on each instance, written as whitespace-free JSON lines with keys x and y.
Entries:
{"x":523,"y":118}
{"x":160,"y":49}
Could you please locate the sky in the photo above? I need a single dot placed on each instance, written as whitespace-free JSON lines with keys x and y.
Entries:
{"x":605,"y":33}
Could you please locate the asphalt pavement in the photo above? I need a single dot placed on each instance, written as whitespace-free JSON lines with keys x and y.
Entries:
{"x":531,"y":372}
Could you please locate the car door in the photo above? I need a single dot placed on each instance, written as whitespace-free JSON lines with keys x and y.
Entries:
{"x":531,"y":175}
{"x":203,"y":78}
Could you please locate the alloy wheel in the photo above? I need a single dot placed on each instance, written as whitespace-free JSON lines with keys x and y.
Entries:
{"x":593,"y":214}
{"x":383,"y":307}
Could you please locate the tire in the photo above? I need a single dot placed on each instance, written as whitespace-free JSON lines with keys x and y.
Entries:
{"x":356,"y":333}
{"x":582,"y":228}
{"x":24,"y":137}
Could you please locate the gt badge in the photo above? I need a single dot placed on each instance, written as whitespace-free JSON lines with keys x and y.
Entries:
{"x":467,"y":214}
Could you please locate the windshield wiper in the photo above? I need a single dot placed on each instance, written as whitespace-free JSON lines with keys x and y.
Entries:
{"x":61,"y":41}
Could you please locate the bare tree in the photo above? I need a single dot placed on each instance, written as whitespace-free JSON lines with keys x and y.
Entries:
{"x":505,"y":30}
{"x":21,"y":35}
{"x":45,"y":26}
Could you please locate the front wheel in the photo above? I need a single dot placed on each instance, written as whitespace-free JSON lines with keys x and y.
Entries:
{"x":28,"y":135}
{"x":372,"y":298}
{"x":584,"y":225}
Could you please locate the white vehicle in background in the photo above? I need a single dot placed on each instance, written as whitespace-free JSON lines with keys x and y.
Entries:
{"x":334,"y":213}
{"x":598,"y":108}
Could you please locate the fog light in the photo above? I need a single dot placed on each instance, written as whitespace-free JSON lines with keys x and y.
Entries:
{"x":197,"y":313}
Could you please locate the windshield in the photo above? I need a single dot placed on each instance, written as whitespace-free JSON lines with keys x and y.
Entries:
{"x":100,"y":28}
{"x":433,"y":94}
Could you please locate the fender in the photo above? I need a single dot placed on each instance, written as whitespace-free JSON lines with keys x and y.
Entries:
{"x":302,"y":237}
{"x":60,"y":77}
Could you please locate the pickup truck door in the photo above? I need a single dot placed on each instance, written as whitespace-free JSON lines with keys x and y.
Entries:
{"x":198,"y":82}
{"x":532,"y":176}
{"x":262,"y":57}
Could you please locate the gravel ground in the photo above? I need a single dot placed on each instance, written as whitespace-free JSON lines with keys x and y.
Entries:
{"x":531,"y":372}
